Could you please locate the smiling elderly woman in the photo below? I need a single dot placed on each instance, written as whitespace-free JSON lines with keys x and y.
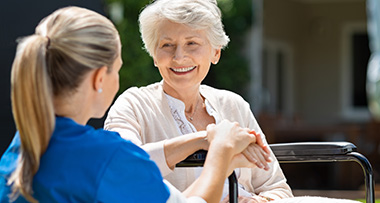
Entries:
{"x":169,"y":118}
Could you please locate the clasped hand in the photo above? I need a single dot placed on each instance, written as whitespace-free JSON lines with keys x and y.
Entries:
{"x":247,"y":146}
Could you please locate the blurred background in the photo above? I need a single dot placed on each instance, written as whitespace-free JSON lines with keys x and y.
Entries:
{"x":302,"y":65}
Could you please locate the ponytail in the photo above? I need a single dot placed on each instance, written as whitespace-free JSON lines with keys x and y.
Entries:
{"x":33,"y":111}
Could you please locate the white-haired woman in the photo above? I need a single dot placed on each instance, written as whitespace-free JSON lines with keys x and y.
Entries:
{"x":65,"y":74}
{"x":168,"y":118}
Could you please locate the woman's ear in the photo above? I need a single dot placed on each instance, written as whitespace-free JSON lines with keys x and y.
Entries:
{"x":99,"y":77}
{"x":216,"y":56}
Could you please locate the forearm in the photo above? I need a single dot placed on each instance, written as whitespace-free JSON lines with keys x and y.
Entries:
{"x":178,"y":148}
{"x":209,"y":185}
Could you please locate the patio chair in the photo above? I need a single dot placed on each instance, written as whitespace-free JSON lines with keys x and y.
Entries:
{"x":302,"y":152}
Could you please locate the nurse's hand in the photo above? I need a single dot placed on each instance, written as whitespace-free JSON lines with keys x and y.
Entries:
{"x":230,"y":135}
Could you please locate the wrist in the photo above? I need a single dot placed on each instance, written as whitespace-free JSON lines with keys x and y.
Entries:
{"x":202,"y":142}
{"x":222,"y":150}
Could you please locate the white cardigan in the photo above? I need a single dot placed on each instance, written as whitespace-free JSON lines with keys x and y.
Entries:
{"x":143,"y":116}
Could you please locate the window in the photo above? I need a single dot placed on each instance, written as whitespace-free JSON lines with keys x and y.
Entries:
{"x":277,"y":74}
{"x":355,"y":56}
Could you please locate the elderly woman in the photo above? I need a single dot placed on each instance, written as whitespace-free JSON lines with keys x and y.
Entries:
{"x":168,"y":118}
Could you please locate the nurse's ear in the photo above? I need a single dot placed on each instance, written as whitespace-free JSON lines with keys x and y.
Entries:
{"x":98,"y":78}
{"x":216,"y":56}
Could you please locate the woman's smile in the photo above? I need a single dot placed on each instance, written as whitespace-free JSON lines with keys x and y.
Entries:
{"x":183,"y":70}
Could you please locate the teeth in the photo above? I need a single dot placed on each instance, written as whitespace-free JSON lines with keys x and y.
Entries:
{"x":182,"y":70}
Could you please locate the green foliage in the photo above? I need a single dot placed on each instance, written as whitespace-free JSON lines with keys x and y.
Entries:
{"x":232,"y":71}
{"x":138,"y":68}
{"x":364,"y":201}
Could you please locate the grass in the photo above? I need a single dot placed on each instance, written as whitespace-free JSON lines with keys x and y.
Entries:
{"x":363,"y":200}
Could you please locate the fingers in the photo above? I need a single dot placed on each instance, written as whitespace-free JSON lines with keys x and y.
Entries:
{"x":255,"y":154}
{"x":266,"y":149}
{"x":249,"y":156}
{"x":232,"y":135}
{"x":211,"y":131}
{"x":260,"y":142}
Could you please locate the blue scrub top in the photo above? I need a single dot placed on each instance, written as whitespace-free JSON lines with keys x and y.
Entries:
{"x":82,"y":164}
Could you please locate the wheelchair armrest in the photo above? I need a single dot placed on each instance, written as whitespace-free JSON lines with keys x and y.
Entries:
{"x":285,"y":150}
{"x":312,"y":148}
{"x":194,"y":160}
{"x":304,"y":152}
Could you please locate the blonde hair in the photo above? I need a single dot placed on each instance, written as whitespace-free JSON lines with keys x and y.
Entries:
{"x":198,"y":14}
{"x":66,"y":45}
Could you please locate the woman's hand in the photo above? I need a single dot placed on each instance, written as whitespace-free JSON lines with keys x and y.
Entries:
{"x":258,"y":155}
{"x":256,"y":152}
{"x":229,"y":136}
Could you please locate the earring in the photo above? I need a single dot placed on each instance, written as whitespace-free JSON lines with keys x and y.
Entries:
{"x":100,"y":90}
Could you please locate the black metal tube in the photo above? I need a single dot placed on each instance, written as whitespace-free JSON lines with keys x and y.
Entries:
{"x":368,"y":174}
{"x":233,"y":188}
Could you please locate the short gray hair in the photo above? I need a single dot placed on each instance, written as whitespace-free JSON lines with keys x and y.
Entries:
{"x":198,"y":14}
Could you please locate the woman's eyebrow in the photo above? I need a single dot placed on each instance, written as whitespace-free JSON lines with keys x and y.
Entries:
{"x":191,"y":37}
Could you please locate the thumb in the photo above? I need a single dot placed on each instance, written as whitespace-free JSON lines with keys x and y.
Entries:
{"x":210,"y":132}
{"x":210,"y":126}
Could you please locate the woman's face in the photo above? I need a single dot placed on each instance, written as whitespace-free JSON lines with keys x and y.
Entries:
{"x":183,"y":55}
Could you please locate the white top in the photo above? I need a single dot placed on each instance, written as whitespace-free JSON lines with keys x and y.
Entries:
{"x":143,"y":115}
{"x":177,"y":108}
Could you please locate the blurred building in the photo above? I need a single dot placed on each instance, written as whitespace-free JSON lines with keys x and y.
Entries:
{"x":311,"y":66}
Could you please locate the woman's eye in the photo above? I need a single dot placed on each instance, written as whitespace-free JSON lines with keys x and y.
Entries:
{"x":191,"y":43}
{"x":167,"y":45}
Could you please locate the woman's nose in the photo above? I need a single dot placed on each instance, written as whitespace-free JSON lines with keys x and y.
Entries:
{"x":179,"y":54}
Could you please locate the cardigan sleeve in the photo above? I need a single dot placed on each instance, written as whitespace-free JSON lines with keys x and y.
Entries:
{"x":124,"y":116}
{"x":271,"y":183}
